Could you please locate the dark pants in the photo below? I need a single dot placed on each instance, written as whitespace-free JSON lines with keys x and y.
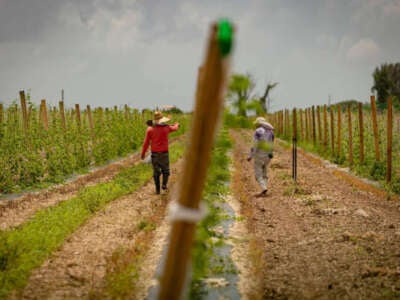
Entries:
{"x":160,"y":162}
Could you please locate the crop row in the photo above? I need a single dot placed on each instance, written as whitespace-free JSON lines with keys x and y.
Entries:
{"x":40,"y":145}
{"x":353,"y":135}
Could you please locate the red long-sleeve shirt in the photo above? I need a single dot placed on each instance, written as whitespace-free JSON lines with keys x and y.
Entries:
{"x":157,"y":136}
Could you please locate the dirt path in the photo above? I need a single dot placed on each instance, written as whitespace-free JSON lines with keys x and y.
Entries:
{"x":323,"y":240}
{"x":16,"y":211}
{"x":77,"y":270}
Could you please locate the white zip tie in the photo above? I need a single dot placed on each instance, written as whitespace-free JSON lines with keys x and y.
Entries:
{"x":178,"y":212}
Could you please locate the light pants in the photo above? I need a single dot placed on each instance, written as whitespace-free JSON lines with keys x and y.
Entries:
{"x":261,"y":161}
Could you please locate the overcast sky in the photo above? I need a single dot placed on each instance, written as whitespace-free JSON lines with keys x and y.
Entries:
{"x":145,"y":53}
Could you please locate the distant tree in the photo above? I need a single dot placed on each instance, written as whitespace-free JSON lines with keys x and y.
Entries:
{"x":239,"y":92}
{"x":386,"y":82}
{"x":353,"y":104}
{"x":265,"y":99}
{"x":173,"y":110}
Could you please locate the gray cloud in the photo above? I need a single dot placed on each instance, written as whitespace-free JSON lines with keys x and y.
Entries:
{"x":146,"y":52}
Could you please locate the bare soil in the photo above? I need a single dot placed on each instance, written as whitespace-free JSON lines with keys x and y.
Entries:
{"x":77,"y":270}
{"x":323,"y":238}
{"x":17,"y":210}
{"x":330,"y":236}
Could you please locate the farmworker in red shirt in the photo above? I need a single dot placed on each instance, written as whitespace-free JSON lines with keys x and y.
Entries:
{"x":157,"y":137}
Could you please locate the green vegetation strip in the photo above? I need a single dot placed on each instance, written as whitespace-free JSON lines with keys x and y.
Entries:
{"x":205,"y":263}
{"x":24,"y":248}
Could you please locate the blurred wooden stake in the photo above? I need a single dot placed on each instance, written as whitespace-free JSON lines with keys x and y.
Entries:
{"x":209,"y":104}
{"x":375,"y":128}
{"x":389,"y":140}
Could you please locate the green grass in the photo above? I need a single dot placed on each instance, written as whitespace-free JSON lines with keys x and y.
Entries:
{"x":26,"y":247}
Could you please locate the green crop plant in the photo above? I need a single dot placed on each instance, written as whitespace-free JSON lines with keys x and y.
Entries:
{"x":39,"y":156}
{"x":26,"y":247}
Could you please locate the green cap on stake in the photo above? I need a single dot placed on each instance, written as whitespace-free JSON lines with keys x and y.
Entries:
{"x":224,"y":35}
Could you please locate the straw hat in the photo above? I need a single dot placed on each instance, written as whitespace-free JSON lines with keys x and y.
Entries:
{"x":263,"y":122}
{"x":159,"y":118}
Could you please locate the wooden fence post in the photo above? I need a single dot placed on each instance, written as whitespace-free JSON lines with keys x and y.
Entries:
{"x":78,"y":115}
{"x":126,"y":110}
{"x":375,"y":128}
{"x":319,"y":124}
{"x":361,"y":125}
{"x":332,"y":131}
{"x":307,"y":133}
{"x":43,"y":114}
{"x":325,"y":129}
{"x":62,"y":114}
{"x":288,"y":123}
{"x":339,"y":135}
{"x":350,"y":135}
{"x":24,"y":112}
{"x":314,"y":136}
{"x":301,"y":125}
{"x":389,"y":140}
{"x":90,"y":118}
{"x":1,"y":113}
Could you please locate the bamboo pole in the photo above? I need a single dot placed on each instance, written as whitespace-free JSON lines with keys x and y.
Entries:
{"x":208,"y":107}
{"x":339,"y":135}
{"x":389,"y":140}
{"x":361,"y":125}
{"x":350,"y":134}
{"x":325,"y":128}
{"x":375,"y":128}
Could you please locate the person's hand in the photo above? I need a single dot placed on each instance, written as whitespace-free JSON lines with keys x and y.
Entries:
{"x":249,"y":159}
{"x":142,"y":156}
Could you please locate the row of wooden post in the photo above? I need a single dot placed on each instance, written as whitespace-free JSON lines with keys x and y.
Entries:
{"x":311,"y":124}
{"x":43,"y":114}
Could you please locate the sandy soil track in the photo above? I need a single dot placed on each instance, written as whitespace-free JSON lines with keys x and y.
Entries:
{"x":323,"y":239}
{"x":16,"y":211}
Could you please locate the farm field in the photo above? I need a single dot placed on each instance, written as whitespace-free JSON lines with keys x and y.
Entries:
{"x":322,"y":238}
{"x":281,"y":180}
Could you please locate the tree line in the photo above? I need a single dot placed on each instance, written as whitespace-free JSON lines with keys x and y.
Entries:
{"x":242,"y":97}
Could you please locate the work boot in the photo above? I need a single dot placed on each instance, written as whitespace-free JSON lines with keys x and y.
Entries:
{"x":157,"y":184}
{"x":262,"y":194}
{"x":164,"y":182}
